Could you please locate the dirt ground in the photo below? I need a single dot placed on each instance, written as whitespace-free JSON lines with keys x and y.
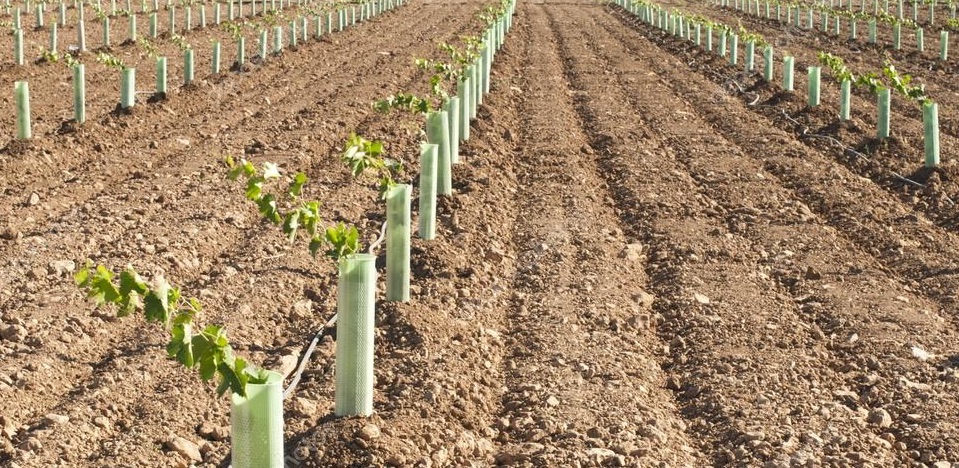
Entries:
{"x":641,"y":265}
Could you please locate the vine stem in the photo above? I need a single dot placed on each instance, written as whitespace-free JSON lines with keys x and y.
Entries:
{"x":376,"y":244}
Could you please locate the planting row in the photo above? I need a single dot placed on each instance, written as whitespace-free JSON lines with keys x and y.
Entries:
{"x":298,"y":30}
{"x":256,"y":413}
{"x":880,"y":83}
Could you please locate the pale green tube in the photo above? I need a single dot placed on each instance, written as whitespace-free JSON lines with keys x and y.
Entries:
{"x":203,"y":16}
{"x":852,"y":29}
{"x":750,"y":56}
{"x":429,"y":156}
{"x":263,"y":44}
{"x":304,"y":29}
{"x":837,"y":25}
{"x":277,"y":39}
{"x":16,"y":18}
{"x":462,"y":90}
{"x":329,"y":22}
{"x":896,"y":36}
{"x":872,"y":31}
{"x":153,"y":26}
{"x":21,"y":91}
{"x":293,"y":33}
{"x":477,"y":98}
{"x":18,"y":47}
{"x":813,"y":75}
{"x":241,"y":52}
{"x":356,"y":297}
{"x":768,"y":64}
{"x":79,"y":94}
{"x":398,"y":243}
{"x":788,"y":63}
{"x":172,"y":19}
{"x":844,"y":92}
{"x":188,"y":66}
{"x":882,"y":121}
{"x":734,"y":49}
{"x":106,"y":32}
{"x":930,"y":125}
{"x":943,"y":45}
{"x":318,"y":26}
{"x":256,"y":425}
{"x":919,"y":40}
{"x":216,"y":58}
{"x":132,"y":29}
{"x":437,"y":132}
{"x":825,"y":21}
{"x":161,"y":76}
{"x":38,"y":13}
{"x":699,"y":32}
{"x":63,"y":14}
{"x":453,"y":115}
{"x":709,"y":38}
{"x":809,"y":24}
{"x":188,"y":18}
{"x":216,"y":14}
{"x":127,"y":87}
{"x":722,"y":43}
{"x":487,"y":64}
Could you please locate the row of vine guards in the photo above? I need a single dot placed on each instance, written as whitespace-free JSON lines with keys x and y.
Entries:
{"x":257,"y":394}
{"x":880,"y":83}
{"x":297,"y":30}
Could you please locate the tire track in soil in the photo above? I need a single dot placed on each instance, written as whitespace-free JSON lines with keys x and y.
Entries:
{"x":583,"y":385}
{"x":712,"y":175}
{"x":159,"y":362}
{"x":923,"y":254}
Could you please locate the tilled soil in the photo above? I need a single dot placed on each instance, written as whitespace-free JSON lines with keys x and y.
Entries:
{"x":632,"y":271}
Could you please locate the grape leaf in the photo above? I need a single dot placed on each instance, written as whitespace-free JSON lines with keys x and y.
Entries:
{"x":181,"y":344}
{"x":254,"y":188}
{"x":270,"y":171}
{"x":267,"y":207}
{"x":296,"y":187}
{"x":291,"y":224}
{"x":156,"y":304}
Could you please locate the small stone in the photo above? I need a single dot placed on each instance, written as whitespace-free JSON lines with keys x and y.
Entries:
{"x":700,"y":298}
{"x":61,"y":267}
{"x":213,"y":432}
{"x":812,"y":274}
{"x":14,"y":333}
{"x":32,"y":444}
{"x":552,"y":401}
{"x":183,"y":141}
{"x":368,"y":432}
{"x":301,"y":309}
{"x":56,"y":419}
{"x":599,"y":455}
{"x":304,"y":406}
{"x":644,"y":299}
{"x":34,"y":199}
{"x":942,"y":464}
{"x":879,"y":417}
{"x":632,"y":252}
{"x":102,"y":422}
{"x":185,"y":448}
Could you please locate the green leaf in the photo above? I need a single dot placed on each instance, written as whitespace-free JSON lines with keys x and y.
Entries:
{"x":296,"y":187}
{"x":291,"y":224}
{"x":254,"y":188}
{"x":102,"y":288}
{"x":130,"y":281}
{"x":310,"y":217}
{"x":268,"y":208}
{"x":316,"y":243}
{"x":343,"y":241}
{"x":181,"y":344}
{"x":233,"y":377}
{"x":156,"y":305}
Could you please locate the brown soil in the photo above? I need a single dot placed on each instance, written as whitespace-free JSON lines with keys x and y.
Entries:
{"x":640,"y":267}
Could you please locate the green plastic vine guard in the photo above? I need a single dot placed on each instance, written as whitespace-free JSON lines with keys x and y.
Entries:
{"x":845,"y":89}
{"x":437,"y":132}
{"x":852,"y":29}
{"x":79,"y":94}
{"x":722,"y":44}
{"x":768,"y":64}
{"x":293,"y":33}
{"x":462,"y":90}
{"x":304,"y":29}
{"x":329,"y":22}
{"x":930,"y":126}
{"x":825,"y":21}
{"x":734,"y":49}
{"x":919,"y":40}
{"x":452,"y":107}
{"x":21,"y":92}
{"x":188,"y":19}
{"x":872,"y":31}
{"x":813,"y":98}
{"x":16,"y":18}
{"x":240,"y":53}
{"x":896,"y":36}
{"x":277,"y":39}
{"x":62,"y":17}
{"x":398,"y":243}
{"x":127,"y":87}
{"x":698,"y":37}
{"x":882,"y":120}
{"x":132,"y":28}
{"x":429,"y":155}
{"x":172,"y":19}
{"x":788,"y":65}
{"x":106,"y":32}
{"x":18,"y":47}
{"x":188,"y":66}
{"x":487,"y":63}
{"x":256,"y":425}
{"x":216,"y":58}
{"x":477,"y":98}
{"x":750,"y":56}
{"x":262,"y":43}
{"x":153,"y":26}
{"x":203,"y":16}
{"x":161,"y":76}
{"x":837,"y":26}
{"x":356,"y":296}
{"x":709,"y":38}
{"x":944,"y":45}
{"x":38,"y":13}
{"x":217,"y":16}
{"x":318,"y":26}
{"x":809,"y":22}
